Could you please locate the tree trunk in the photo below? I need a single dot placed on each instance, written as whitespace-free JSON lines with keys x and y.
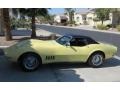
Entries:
{"x":7,"y":28}
{"x":70,"y":16}
{"x":33,"y":35}
{"x":102,"y":22}
{"x":1,"y":23}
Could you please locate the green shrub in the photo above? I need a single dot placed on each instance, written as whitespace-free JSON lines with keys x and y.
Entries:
{"x":13,"y":23}
{"x":118,"y":27}
{"x":102,"y":27}
{"x":19,"y":23}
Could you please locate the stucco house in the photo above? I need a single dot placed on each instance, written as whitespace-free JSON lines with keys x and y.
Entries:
{"x":61,"y":18}
{"x":79,"y":18}
{"x":87,"y":18}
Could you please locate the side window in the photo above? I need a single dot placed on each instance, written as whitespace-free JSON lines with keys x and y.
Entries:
{"x":91,"y":41}
{"x":82,"y":42}
{"x":78,"y":42}
{"x":74,"y":42}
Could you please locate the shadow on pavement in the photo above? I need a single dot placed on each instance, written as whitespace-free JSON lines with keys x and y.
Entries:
{"x":10,"y":72}
{"x":62,"y":72}
{"x":21,"y":32}
{"x":111,"y":63}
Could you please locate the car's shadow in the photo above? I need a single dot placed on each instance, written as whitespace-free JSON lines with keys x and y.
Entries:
{"x":113,"y":62}
{"x":57,"y":72}
{"x":11,"y":72}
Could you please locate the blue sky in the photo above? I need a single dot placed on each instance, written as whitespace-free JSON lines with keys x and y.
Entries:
{"x":61,"y":10}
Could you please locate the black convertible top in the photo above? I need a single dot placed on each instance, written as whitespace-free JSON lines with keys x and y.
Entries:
{"x":80,"y":36}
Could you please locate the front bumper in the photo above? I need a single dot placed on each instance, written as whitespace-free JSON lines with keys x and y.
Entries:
{"x":8,"y":55}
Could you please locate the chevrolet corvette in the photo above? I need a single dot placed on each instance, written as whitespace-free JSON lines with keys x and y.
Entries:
{"x":32,"y":53}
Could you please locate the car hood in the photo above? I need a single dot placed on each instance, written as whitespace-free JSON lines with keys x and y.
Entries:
{"x":35,"y":42}
{"x":45,"y":42}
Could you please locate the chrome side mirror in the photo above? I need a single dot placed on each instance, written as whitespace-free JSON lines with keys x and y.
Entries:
{"x":68,"y":44}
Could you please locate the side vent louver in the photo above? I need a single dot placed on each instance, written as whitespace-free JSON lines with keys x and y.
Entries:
{"x":50,"y":57}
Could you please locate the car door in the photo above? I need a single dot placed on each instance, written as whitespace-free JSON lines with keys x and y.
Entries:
{"x":81,"y":49}
{"x":75,"y":52}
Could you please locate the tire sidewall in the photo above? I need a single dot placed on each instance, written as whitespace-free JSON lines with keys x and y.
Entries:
{"x":21,"y":62}
{"x":91,"y":58}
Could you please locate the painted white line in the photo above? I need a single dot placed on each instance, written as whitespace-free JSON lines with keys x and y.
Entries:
{"x":4,"y":46}
{"x":117,"y":57}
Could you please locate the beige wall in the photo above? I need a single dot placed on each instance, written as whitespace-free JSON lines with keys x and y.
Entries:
{"x":89,"y":18}
{"x":78,"y":19}
{"x":57,"y":19}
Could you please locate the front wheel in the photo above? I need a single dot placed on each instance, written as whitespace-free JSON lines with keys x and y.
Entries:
{"x":96,"y":60}
{"x":29,"y":62}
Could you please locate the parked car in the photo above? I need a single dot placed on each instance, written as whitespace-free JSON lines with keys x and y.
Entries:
{"x":30,"y":54}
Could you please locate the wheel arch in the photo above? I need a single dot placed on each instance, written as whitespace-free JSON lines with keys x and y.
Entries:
{"x":30,"y":52}
{"x":97,"y":51}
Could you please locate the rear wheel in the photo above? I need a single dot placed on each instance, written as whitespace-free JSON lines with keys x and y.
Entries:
{"x":96,"y":60}
{"x":30,"y":62}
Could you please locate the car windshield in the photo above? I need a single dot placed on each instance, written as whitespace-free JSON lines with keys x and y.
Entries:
{"x":63,"y":40}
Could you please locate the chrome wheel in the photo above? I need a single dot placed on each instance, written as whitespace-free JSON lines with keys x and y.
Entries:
{"x":97,"y":60}
{"x":30,"y":62}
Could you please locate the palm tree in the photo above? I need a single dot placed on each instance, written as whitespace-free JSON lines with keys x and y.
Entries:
{"x":6,"y":20}
{"x":70,"y":12}
{"x":32,"y":13}
{"x":1,"y":22}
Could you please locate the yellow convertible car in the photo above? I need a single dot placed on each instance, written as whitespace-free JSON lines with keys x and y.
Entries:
{"x":30,"y":54}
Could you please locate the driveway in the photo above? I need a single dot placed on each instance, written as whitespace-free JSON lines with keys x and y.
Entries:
{"x":64,"y":72}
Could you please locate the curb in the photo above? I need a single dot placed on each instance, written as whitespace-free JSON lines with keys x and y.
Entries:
{"x":94,"y":30}
{"x":4,"y":46}
{"x":117,"y":57}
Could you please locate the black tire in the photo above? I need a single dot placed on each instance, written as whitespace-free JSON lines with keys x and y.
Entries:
{"x":26,"y":59}
{"x":91,"y":61}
